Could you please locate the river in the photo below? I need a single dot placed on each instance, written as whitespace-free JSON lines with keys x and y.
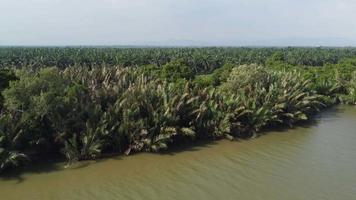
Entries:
{"x":313,"y":161}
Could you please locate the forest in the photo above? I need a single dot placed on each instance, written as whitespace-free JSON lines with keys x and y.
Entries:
{"x":85,"y":103}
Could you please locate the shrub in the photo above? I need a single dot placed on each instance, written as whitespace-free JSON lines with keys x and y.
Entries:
{"x":85,"y":113}
{"x":262,"y":98}
{"x":175,"y":70}
{"x":10,"y":141}
{"x":5,"y":77}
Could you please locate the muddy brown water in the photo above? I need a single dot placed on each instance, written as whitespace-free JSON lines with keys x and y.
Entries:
{"x":315,"y":161}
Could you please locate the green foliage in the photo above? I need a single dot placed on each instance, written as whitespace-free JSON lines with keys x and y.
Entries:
{"x":167,"y":97}
{"x":10,"y":141}
{"x":201,"y":60}
{"x":217,"y":77}
{"x":175,"y":70}
{"x":262,"y":97}
{"x":37,"y":94}
{"x":278,"y":61}
{"x":88,"y":146}
{"x":350,"y":96}
{"x":5,"y":77}
{"x":154,"y":114}
{"x":248,"y":77}
{"x":205,"y":80}
{"x":150,"y":70}
{"x":36,"y":105}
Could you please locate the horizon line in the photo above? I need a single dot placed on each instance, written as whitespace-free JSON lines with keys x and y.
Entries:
{"x":184,"y":46}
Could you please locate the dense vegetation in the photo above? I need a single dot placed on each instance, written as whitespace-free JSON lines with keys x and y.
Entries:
{"x":200,"y":60}
{"x":85,"y":103}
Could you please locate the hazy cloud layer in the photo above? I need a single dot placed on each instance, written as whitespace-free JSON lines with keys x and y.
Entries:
{"x":206,"y":22}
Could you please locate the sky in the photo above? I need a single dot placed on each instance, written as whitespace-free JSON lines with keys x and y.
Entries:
{"x":178,"y":22}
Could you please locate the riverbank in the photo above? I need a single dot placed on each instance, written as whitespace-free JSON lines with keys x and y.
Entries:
{"x":85,"y":114}
{"x":315,"y":161}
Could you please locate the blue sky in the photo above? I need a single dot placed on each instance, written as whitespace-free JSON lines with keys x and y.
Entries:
{"x":178,"y":22}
